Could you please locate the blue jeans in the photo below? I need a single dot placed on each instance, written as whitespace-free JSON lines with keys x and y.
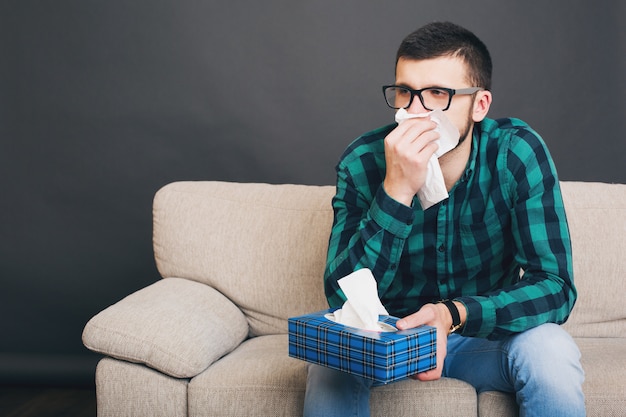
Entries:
{"x":541,"y":366}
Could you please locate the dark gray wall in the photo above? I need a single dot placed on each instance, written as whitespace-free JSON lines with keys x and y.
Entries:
{"x":103,"y":102}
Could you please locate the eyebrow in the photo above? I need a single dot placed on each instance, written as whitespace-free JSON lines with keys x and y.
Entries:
{"x":429,"y":86}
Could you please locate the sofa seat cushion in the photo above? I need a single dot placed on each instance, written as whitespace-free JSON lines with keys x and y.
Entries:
{"x":260,"y":379}
{"x":125,"y":389}
{"x":497,"y":404}
{"x":442,"y":398}
{"x":256,"y":379}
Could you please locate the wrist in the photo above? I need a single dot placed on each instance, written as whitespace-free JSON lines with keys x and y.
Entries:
{"x":401,"y":196}
{"x":462,"y":311}
{"x":457,"y":313}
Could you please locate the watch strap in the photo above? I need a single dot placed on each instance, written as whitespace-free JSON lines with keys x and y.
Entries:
{"x":454,"y":312}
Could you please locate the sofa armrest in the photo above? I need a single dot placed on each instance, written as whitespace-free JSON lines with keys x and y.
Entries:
{"x":176,"y":326}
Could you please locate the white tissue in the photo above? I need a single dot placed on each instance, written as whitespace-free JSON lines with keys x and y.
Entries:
{"x":434,"y":189}
{"x":362,"y":308}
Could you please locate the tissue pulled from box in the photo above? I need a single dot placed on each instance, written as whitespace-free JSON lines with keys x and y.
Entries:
{"x":362,"y":306}
{"x":434,"y":189}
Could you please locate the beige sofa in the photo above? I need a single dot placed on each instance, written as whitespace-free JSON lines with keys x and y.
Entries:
{"x":239,"y":259}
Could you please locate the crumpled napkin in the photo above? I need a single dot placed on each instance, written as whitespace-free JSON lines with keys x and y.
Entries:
{"x":434,"y":189}
{"x":362,"y":308}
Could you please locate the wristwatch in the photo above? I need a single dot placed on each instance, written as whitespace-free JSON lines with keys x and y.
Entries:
{"x":456,"y":317}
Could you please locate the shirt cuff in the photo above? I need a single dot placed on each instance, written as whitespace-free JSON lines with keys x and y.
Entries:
{"x":392,"y":215}
{"x":481,"y":316}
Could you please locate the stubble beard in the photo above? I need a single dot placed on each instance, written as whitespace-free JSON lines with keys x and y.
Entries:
{"x":467,"y":129}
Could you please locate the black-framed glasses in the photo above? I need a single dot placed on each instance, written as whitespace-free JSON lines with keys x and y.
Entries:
{"x":432,"y":98}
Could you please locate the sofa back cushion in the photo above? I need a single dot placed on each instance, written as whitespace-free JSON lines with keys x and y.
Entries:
{"x":262,"y":246}
{"x":596,"y":214}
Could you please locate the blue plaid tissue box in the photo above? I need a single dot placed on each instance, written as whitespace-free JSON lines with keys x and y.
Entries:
{"x":381,"y":356}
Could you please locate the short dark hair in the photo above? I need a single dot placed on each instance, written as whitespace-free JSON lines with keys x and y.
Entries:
{"x":439,"y":39}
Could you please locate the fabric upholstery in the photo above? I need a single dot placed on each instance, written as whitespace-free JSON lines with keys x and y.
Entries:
{"x":596,"y":214}
{"x":256,"y":379}
{"x":497,"y":404}
{"x":443,"y":398}
{"x":604,"y":363}
{"x":175,"y":325}
{"x":126,"y":389}
{"x":255,"y":243}
{"x":251,"y":255}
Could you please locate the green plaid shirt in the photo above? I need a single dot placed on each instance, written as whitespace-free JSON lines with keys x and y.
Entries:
{"x":504,"y":216}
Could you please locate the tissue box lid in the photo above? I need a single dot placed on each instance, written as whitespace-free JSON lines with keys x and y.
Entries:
{"x":381,"y":356}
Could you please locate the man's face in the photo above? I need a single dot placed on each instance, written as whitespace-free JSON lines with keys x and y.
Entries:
{"x":449,"y":72}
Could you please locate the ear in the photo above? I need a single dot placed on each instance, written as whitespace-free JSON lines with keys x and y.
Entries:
{"x":482,"y":102}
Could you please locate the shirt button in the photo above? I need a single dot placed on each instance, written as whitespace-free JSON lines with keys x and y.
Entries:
{"x":441,"y":248}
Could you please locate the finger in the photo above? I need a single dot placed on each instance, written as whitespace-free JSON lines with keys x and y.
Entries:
{"x":421,"y":135}
{"x":428,"y":150}
{"x":419,"y":149}
{"x":408,"y":322}
{"x":422,"y":125}
{"x":431,"y":375}
{"x":411,"y":130}
{"x":419,"y":318}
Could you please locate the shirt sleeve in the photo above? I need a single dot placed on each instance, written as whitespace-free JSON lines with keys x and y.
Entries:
{"x":545,"y":291}
{"x":369,"y":231}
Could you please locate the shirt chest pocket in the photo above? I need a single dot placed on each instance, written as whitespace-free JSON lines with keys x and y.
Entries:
{"x":480,"y":244}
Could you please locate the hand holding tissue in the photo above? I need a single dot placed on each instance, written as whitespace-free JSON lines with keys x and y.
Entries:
{"x":360,"y":338}
{"x":434,"y":189}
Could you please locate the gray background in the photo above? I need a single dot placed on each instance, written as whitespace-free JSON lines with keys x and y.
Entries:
{"x":104,"y":102}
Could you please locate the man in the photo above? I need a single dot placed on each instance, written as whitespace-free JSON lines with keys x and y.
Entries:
{"x":489,"y":267}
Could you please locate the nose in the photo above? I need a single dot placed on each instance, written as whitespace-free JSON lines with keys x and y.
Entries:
{"x":416,"y":106}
